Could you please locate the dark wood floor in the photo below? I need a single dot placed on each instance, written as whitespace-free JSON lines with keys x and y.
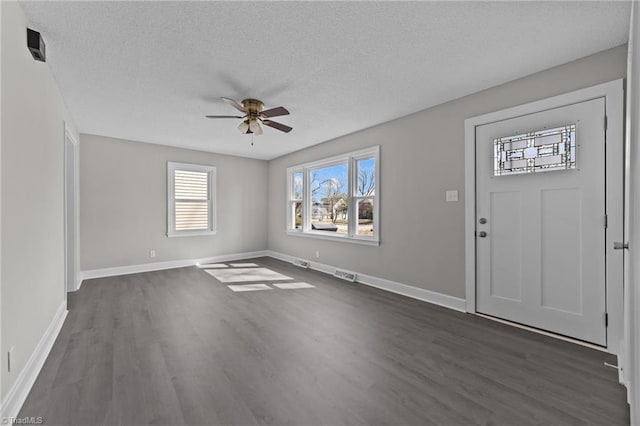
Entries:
{"x":178,"y":347}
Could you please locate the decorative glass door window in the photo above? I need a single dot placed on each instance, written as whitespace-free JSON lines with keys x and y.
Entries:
{"x":538,"y":151}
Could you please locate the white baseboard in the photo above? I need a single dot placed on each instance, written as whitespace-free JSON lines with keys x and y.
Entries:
{"x":18,"y":393}
{"x":429,"y":296}
{"x":159,"y":266}
{"x":436,"y":298}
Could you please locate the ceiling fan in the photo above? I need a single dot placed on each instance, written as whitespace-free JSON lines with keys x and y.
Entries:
{"x":254,"y":115}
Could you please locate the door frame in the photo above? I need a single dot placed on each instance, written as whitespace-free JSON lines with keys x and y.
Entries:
{"x":613,"y":93}
{"x":71,"y":283}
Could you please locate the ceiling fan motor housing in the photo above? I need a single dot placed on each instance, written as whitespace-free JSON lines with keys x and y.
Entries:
{"x":253,"y":107}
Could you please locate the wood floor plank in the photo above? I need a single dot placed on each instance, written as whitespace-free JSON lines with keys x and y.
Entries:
{"x":177,"y":347}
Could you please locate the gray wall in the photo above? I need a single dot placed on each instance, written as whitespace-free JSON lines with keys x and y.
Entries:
{"x":123,"y":204}
{"x":422,"y":156}
{"x":32,"y":258}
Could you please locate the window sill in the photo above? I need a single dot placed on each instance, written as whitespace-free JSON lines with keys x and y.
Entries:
{"x":190,"y":234}
{"x":324,"y":236}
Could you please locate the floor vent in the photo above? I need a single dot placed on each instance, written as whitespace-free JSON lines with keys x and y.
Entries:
{"x":301,"y":263}
{"x":345,"y":275}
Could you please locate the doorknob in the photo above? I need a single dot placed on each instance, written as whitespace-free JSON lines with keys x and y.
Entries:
{"x":482,"y":234}
{"x":482,"y":221}
{"x":617,"y":245}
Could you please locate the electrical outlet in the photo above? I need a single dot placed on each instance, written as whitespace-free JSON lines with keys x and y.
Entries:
{"x":9,"y":359}
{"x":317,"y":253}
{"x":152,"y":253}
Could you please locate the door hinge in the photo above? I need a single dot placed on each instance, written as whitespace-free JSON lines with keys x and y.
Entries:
{"x":606,"y":221}
{"x":606,"y":124}
{"x":606,"y":320}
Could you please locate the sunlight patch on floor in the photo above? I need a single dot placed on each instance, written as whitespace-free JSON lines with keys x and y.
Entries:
{"x":290,"y":286}
{"x":249,"y":287}
{"x":246,"y":274}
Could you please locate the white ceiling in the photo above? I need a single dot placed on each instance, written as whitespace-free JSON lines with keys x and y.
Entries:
{"x":151,"y":71}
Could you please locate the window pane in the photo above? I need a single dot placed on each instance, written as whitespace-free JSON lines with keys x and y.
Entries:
{"x":191,"y":185}
{"x":296,"y":186}
{"x":365,"y":216}
{"x":329,"y":198}
{"x":192,"y":215}
{"x":296,"y":215}
{"x":366,"y":172}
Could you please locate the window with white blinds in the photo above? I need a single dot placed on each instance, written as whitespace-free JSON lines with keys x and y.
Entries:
{"x":191,"y":199}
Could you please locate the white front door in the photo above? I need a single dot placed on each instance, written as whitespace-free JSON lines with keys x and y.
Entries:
{"x":541,"y":220}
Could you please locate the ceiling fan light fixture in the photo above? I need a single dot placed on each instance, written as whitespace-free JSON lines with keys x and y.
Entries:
{"x":244,"y":127}
{"x":254,"y":127}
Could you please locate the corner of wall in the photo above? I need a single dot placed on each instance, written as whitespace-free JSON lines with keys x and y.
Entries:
{"x":29,"y":86}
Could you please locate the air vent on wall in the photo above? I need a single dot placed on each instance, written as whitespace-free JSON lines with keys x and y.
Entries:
{"x":35,"y":43}
{"x":301,"y":263}
{"x":345,"y":275}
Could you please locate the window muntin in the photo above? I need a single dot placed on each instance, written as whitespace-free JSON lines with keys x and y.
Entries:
{"x":538,"y":151}
{"x":338,"y":199}
{"x":190,"y":199}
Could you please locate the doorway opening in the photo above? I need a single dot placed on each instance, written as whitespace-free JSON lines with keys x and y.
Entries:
{"x":70,"y":212}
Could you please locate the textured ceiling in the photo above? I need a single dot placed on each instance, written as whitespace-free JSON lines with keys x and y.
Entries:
{"x":150,"y":71}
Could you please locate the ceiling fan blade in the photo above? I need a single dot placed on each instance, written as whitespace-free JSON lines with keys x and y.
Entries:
{"x":278,"y":126}
{"x":254,"y":126}
{"x":275,"y":112}
{"x":223,"y":116}
{"x":234,"y":104}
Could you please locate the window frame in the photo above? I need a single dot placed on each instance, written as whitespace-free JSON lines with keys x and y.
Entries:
{"x":292,"y":201}
{"x":172,"y":166}
{"x":351,"y":158}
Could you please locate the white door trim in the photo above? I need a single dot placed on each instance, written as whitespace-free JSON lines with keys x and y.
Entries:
{"x":613,"y":94}
{"x":68,"y":137}
{"x":631,"y":360}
